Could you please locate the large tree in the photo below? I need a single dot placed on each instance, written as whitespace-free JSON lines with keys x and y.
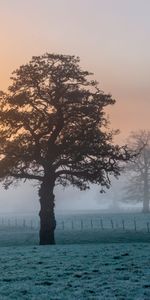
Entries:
{"x":54,"y":130}
{"x":137,"y":188}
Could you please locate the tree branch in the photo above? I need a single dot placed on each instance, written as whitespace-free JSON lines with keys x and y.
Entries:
{"x":24,"y":175}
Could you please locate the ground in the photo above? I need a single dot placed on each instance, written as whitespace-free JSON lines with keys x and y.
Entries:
{"x":97,"y":257}
{"x":88,"y":271}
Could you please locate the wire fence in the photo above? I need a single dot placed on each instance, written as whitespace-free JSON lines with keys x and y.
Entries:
{"x":77,"y":224}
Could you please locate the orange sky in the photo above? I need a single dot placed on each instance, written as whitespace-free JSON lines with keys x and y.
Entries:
{"x":110,"y":36}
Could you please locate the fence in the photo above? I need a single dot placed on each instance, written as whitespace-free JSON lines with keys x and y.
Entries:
{"x":78,"y":224}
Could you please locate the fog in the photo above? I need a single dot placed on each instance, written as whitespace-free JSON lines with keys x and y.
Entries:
{"x":24,"y":199}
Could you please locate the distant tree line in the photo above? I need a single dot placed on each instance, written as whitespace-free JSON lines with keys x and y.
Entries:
{"x":137,"y":169}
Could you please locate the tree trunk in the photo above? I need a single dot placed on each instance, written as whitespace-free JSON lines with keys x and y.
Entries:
{"x":47,"y":216}
{"x":146,"y":184}
{"x":146,"y":198}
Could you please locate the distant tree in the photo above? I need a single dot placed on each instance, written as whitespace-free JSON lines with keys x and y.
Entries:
{"x":138,"y":170}
{"x":53,"y":129}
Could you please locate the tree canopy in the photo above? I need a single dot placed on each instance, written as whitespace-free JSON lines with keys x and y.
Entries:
{"x":53,"y":126}
{"x":137,"y":188}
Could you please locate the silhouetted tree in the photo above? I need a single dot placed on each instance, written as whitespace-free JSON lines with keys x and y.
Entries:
{"x":54,"y":130}
{"x":138,"y":170}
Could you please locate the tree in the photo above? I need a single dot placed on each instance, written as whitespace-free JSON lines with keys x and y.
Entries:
{"x":54,"y":130}
{"x":138,"y":170}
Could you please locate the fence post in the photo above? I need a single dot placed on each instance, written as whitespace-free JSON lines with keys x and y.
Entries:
{"x":101,"y":222}
{"x":16,"y":223}
{"x":123,"y":225}
{"x":135,"y":227}
{"x":63,"y":225}
{"x":147,"y":226}
{"x":81,"y":225}
{"x":112,"y":224}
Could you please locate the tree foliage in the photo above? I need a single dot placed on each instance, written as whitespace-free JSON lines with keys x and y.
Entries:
{"x":53,"y":127}
{"x":53,"y":115}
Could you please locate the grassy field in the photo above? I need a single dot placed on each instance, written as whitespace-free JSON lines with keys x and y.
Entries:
{"x":87,"y":263}
{"x":101,"y":271}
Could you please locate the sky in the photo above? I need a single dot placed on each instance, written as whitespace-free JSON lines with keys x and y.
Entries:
{"x":111,"y":37}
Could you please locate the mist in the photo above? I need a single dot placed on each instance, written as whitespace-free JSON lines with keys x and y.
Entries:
{"x":24,"y":199}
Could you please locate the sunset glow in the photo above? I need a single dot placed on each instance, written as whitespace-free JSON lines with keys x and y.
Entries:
{"x":111,"y":37}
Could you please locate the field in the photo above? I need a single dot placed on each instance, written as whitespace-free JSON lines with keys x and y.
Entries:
{"x":87,"y":263}
{"x":101,"y":271}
